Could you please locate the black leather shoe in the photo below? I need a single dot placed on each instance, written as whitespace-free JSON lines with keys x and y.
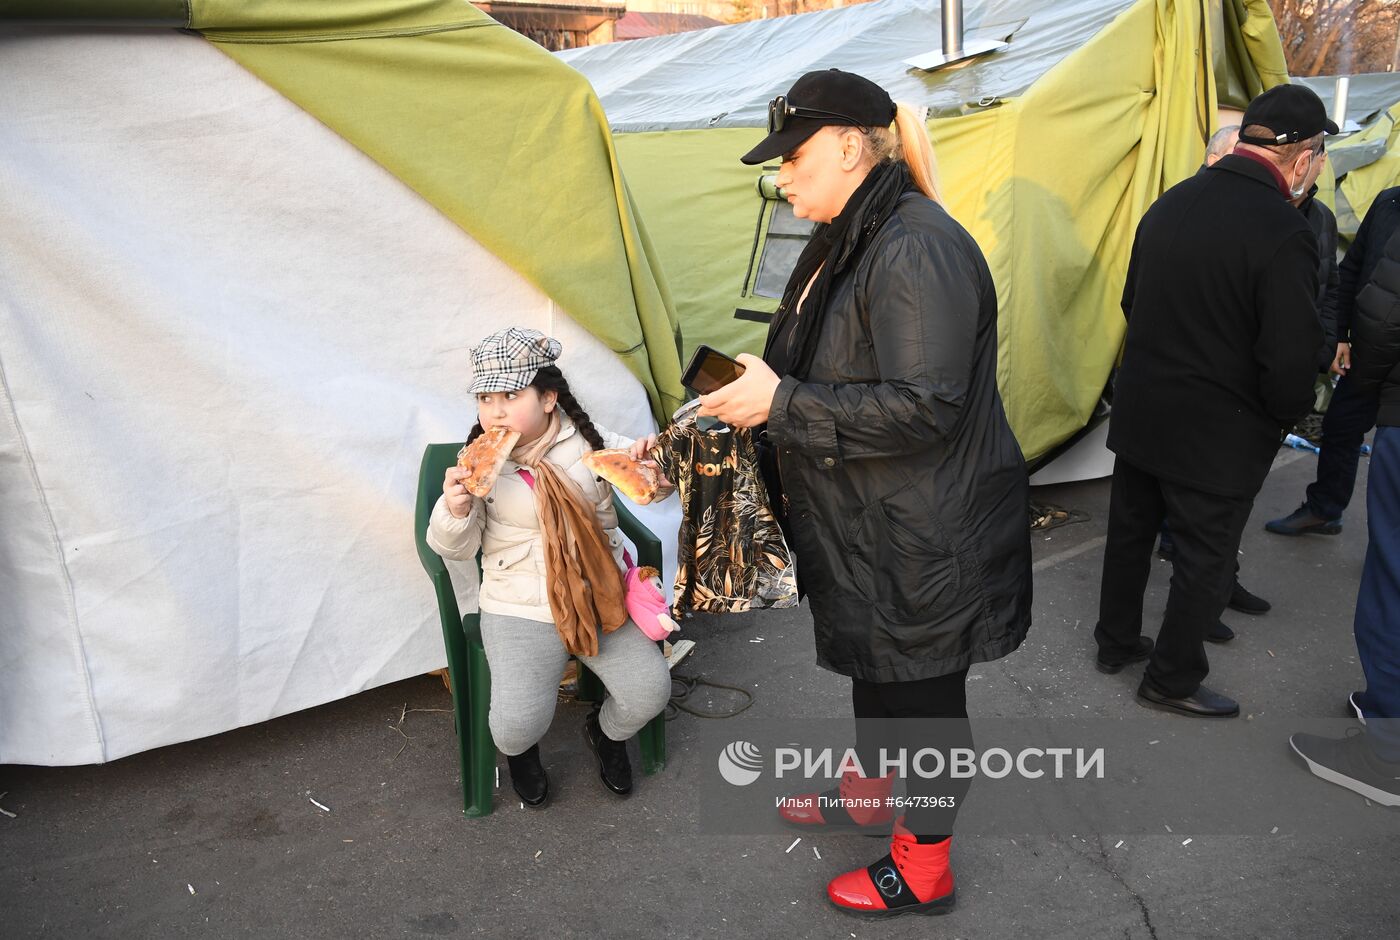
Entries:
{"x":1203,"y":703}
{"x":528,"y":778}
{"x":1111,"y":665}
{"x":614,"y":767}
{"x":1219,"y":633}
{"x":1302,"y":521}
{"x":1247,"y":603}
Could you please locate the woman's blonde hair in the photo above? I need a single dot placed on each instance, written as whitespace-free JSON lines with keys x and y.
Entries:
{"x":908,"y":142}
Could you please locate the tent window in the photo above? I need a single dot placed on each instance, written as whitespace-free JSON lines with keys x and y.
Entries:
{"x":783,"y":241}
{"x":787,"y":236}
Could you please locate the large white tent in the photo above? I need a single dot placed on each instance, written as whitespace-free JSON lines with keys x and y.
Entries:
{"x":226,"y":335}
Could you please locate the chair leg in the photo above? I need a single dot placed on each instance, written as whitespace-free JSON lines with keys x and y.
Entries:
{"x":479,"y":779}
{"x":652,"y":739}
{"x":590,"y":687}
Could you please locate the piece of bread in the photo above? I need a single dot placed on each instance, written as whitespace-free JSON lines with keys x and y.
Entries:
{"x":633,"y":479}
{"x":484,"y":457}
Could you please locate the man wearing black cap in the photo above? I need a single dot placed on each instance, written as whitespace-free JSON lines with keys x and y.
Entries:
{"x":1222,"y":348}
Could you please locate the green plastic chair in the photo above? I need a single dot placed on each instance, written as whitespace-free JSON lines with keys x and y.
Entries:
{"x":466,"y":657}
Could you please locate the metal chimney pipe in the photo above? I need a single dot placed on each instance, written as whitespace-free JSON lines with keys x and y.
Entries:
{"x":952,"y":29}
{"x":1339,"y":101}
{"x":955,"y":49}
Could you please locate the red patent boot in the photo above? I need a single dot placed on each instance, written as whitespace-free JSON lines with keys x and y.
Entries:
{"x":911,"y":879}
{"x":859,"y":804}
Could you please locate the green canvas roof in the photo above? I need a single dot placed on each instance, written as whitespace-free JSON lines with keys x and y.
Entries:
{"x":1049,"y":150}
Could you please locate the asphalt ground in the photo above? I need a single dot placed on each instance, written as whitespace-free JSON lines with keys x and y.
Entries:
{"x":220,"y":837}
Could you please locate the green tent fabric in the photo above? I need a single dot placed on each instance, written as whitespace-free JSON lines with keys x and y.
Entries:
{"x":1363,"y":184}
{"x":1049,"y":152}
{"x":1367,"y":161}
{"x":471,"y":116}
{"x":1248,"y":53}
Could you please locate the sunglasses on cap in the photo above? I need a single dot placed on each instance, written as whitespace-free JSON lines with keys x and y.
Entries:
{"x":779,"y":110}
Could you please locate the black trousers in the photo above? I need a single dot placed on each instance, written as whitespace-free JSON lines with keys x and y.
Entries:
{"x":1344,"y":426}
{"x":1207,"y":530}
{"x":906,"y":717}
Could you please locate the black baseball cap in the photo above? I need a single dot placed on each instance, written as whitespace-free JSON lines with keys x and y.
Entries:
{"x":817,"y":100}
{"x":1292,"y":112}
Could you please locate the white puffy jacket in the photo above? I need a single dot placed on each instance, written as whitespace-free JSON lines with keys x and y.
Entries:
{"x":506,"y":528}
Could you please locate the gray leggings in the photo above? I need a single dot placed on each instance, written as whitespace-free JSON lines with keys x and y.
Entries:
{"x":527,"y":659}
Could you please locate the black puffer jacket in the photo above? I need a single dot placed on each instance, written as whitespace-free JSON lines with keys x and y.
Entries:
{"x":906,"y":493}
{"x":1375,"y":363}
{"x":1366,"y":250}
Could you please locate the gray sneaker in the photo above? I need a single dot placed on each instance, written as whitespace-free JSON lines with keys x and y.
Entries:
{"x":1354,"y":707}
{"x":1348,"y":762}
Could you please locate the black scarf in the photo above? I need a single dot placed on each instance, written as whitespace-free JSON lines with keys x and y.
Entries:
{"x":867,"y":209}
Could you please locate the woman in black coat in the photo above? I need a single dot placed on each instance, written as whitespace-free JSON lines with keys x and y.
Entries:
{"x":893,"y":468}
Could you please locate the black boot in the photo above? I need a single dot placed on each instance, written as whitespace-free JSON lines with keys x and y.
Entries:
{"x":1219,"y":633}
{"x":528,"y":778}
{"x":1247,"y":603}
{"x":614,"y":767}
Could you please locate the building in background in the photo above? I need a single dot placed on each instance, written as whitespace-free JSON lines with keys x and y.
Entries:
{"x":720,"y":10}
{"x":569,"y":24}
{"x":558,"y":24}
{"x":637,"y":25}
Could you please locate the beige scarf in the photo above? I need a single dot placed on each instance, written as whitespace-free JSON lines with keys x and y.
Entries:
{"x":586,"y":588}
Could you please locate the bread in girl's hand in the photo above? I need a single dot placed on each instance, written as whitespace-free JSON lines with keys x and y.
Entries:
{"x":484,"y":457}
{"x":637,"y":481}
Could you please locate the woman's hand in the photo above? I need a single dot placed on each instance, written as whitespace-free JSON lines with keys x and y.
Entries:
{"x":745,"y":402}
{"x":459,"y":501}
{"x":1342,"y":361}
{"x":641,"y":452}
{"x":641,"y":449}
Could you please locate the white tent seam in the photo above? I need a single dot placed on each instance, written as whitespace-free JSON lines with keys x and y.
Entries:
{"x":70,"y":601}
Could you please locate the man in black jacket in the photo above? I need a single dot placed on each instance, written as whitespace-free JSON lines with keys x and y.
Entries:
{"x":1350,"y":415}
{"x":1222,"y":144}
{"x":1324,"y":226}
{"x":1222,"y":347}
{"x":1369,"y":763}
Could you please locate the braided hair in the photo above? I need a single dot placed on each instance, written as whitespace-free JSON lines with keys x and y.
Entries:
{"x":550,"y":379}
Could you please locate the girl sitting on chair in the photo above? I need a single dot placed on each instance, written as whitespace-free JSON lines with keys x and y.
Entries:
{"x":552,"y":566}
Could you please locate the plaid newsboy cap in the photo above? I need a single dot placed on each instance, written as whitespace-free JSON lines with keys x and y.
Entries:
{"x":508,"y":360}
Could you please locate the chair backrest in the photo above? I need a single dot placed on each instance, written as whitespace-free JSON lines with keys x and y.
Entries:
{"x":436,"y":459}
